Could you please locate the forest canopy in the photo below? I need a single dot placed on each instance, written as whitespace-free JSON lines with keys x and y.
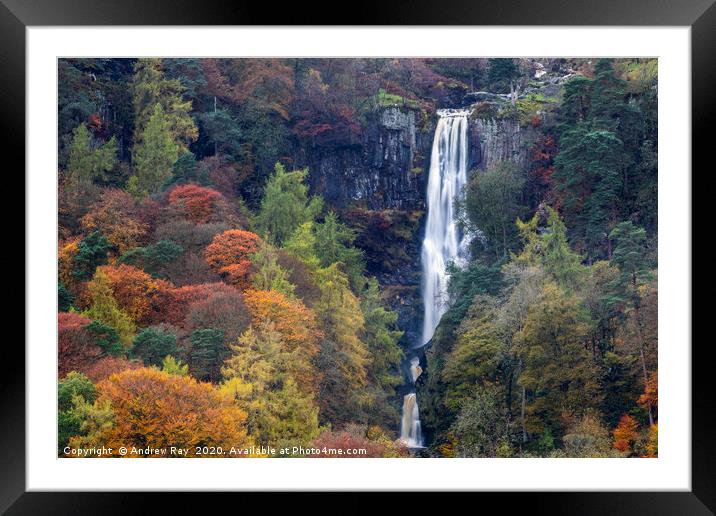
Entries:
{"x":214,"y":289}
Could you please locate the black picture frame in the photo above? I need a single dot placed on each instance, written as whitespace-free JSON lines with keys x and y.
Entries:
{"x":700,"y":15}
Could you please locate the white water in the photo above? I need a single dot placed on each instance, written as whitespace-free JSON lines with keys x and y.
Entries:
{"x":442,"y":244}
{"x":410,"y":425}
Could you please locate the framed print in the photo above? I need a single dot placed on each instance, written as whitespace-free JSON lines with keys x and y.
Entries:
{"x":454,"y":244}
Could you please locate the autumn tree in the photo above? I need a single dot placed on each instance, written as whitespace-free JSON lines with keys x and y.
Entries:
{"x":105,"y":309}
{"x":270,"y":275}
{"x":88,"y":161}
{"x":224,"y":310}
{"x":116,"y":217}
{"x":587,"y":437}
{"x":71,"y":390}
{"x":344,"y":357}
{"x":559,"y":375}
{"x":375,"y":442}
{"x":482,"y":427}
{"x":197,"y":203}
{"x":157,"y":409}
{"x":150,"y":87}
{"x":291,"y":318}
{"x":259,"y":376}
{"x":285,"y":205}
{"x":75,"y":350}
{"x":133,"y":289}
{"x":153,"y":155}
{"x":381,"y":336}
{"x":626,"y":434}
{"x":229,"y":255}
{"x":298,"y":328}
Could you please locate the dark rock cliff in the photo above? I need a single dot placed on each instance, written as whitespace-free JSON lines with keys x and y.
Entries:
{"x":378,"y":188}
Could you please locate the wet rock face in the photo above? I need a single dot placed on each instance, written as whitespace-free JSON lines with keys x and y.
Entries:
{"x":494,"y":140}
{"x":384,"y":170}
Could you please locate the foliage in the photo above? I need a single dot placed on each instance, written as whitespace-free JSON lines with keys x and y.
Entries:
{"x":223,"y":310}
{"x":492,"y":205}
{"x":260,"y":376}
{"x":481,"y":426}
{"x":88,"y":162}
{"x":270,"y":275}
{"x":373,"y":440}
{"x":334,"y":245}
{"x":173,"y":366}
{"x":64,"y":298}
{"x":195,"y":201}
{"x":105,"y":309}
{"x":159,"y":410}
{"x":207,"y":353}
{"x":625,"y":434}
{"x":151,"y":88}
{"x":381,"y":336}
{"x":75,"y":350}
{"x":116,"y":217}
{"x":229,"y":254}
{"x":156,"y":259}
{"x":343,"y":357}
{"x":91,"y":252}
{"x":153,"y":345}
{"x":71,"y":389}
{"x":285,"y":205}
{"x":154,"y":155}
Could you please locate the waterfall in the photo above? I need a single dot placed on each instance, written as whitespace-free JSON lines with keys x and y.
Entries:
{"x":442,"y":244}
{"x":410,"y":426}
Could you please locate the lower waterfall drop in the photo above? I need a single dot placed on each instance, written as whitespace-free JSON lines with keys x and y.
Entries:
{"x":442,"y":244}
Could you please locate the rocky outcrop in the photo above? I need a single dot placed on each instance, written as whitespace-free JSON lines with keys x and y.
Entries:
{"x":495,"y":139}
{"x":383,"y":171}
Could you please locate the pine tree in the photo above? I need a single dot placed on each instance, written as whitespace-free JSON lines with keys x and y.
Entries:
{"x":149,"y":88}
{"x":88,"y":162}
{"x":259,"y":377}
{"x":153,"y":345}
{"x":334,"y":244}
{"x":104,"y":308}
{"x":285,"y":205}
{"x":207,"y":354}
{"x":344,"y":357}
{"x":155,"y":154}
{"x":269,"y":274}
{"x":381,"y":337}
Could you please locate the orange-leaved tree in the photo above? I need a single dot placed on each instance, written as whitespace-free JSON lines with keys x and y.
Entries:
{"x":134,"y":290}
{"x":297,"y":327}
{"x":116,"y":216}
{"x":76,"y":350}
{"x":156,"y":409}
{"x":626,"y":433}
{"x":197,"y":203}
{"x":228,"y":254}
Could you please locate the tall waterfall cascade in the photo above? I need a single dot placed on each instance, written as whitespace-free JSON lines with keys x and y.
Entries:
{"x":443,"y":243}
